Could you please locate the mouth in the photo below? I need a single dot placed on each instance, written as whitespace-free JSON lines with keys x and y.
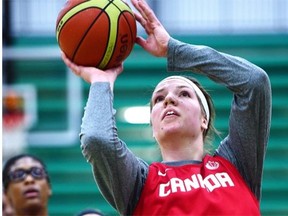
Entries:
{"x":31,"y":193}
{"x":170,"y":113}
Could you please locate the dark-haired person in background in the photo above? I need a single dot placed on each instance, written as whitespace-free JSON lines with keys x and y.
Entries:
{"x":27,"y":185}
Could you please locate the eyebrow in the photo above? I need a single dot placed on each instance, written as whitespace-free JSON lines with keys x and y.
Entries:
{"x":25,"y":168}
{"x":178,"y":87}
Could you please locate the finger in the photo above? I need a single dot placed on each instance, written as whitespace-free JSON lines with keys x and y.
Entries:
{"x":141,"y":41}
{"x":138,"y":17}
{"x":137,"y":6}
{"x":143,"y":23}
{"x":63,"y":54}
{"x":64,"y":58}
{"x":73,"y":67}
{"x":118,"y":69}
{"x":146,"y":11}
{"x":134,"y":2}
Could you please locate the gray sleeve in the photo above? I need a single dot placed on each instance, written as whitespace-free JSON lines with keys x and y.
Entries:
{"x":250,"y":116}
{"x":119,"y":174}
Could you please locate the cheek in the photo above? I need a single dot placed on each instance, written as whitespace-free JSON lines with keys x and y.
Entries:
{"x":154,"y":117}
{"x":152,"y":120}
{"x":14,"y":193}
{"x":194,"y":113}
{"x":46,"y":190}
{"x":195,"y":108}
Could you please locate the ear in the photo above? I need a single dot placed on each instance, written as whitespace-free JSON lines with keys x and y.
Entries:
{"x":204,"y":123}
{"x":50,"y":192}
{"x":153,"y":135}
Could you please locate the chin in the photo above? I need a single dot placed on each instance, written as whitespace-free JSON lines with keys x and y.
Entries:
{"x":173,"y":129}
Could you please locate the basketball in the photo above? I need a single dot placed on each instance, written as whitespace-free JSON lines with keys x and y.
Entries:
{"x":97,"y":33}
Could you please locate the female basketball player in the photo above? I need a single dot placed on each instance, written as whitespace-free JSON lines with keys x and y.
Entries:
{"x":187,"y":181}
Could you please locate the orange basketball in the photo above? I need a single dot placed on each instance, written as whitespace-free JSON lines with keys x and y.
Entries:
{"x":98,"y":33}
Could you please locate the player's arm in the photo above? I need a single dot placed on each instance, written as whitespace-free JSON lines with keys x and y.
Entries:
{"x":119,"y":174}
{"x":250,"y":117}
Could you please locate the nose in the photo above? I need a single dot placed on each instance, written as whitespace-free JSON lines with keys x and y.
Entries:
{"x":170,"y":99}
{"x":29,"y":178}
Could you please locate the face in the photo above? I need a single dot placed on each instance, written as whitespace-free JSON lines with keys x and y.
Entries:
{"x":176,"y":110}
{"x":31,"y":191}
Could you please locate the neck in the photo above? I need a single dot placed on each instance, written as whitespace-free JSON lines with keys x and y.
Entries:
{"x":32,"y":212}
{"x":178,"y":150}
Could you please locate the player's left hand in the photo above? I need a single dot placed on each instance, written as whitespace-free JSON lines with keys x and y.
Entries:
{"x":92,"y":74}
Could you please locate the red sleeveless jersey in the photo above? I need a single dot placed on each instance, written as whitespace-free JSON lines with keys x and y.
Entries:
{"x":212,"y":187}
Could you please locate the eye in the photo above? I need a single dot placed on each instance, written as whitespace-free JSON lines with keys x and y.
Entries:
{"x":158,"y":99}
{"x":185,"y":94}
{"x":17,"y":174}
{"x":38,"y":172}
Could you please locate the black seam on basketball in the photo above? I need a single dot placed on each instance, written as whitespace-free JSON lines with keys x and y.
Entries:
{"x":107,"y":42}
{"x":66,"y":21}
{"x":131,"y":34}
{"x":88,"y":29}
{"x":122,"y":13}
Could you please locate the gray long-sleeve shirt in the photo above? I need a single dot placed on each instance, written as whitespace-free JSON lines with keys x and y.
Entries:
{"x":121,"y":175}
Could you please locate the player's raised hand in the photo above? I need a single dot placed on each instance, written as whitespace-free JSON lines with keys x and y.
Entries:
{"x":92,"y":74}
{"x":157,"y":39}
